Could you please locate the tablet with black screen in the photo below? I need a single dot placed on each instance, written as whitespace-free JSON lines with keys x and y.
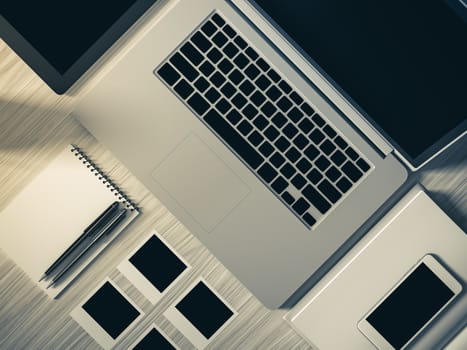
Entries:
{"x":401,"y":63}
{"x":60,"y":40}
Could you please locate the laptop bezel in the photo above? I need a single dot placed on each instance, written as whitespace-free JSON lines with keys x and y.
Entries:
{"x":58,"y":82}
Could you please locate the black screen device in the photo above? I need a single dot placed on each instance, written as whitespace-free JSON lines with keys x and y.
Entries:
{"x":60,"y":40}
{"x":401,"y":63}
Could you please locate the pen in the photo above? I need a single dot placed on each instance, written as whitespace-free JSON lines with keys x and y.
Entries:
{"x":101,"y":233}
{"x":88,"y":231}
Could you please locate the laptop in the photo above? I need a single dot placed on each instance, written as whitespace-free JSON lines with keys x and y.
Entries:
{"x":274,"y":131}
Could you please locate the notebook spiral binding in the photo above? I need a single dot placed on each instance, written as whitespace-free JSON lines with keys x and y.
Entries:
{"x":104,"y":178}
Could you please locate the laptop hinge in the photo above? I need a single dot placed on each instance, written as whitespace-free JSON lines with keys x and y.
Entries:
{"x":312,"y":73}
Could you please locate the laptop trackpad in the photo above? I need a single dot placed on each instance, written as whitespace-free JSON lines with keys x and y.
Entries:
{"x":200,"y":182}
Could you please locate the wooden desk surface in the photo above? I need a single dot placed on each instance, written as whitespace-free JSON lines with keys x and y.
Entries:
{"x":34,"y":125}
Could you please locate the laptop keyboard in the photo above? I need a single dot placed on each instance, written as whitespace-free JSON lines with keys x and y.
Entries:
{"x":248,"y":105}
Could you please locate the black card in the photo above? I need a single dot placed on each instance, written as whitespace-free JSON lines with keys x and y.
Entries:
{"x":111,"y":310}
{"x":154,"y":340}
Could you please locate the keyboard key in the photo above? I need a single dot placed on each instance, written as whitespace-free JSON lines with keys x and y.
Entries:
{"x":287,"y":197}
{"x":250,"y":111}
{"x":301,"y":141}
{"x":217,"y":79}
{"x":201,"y":84}
{"x":341,"y":142}
{"x":279,"y":184}
{"x":288,"y":170}
{"x":183,"y":89}
{"x":219,"y":39}
{"x":230,"y":50}
{"x":277,"y":160}
{"x":239,"y":101}
{"x":169,"y":74}
{"x":329,"y":191}
{"x":316,"y":199}
{"x":234,"y":117}
{"x":318,"y":120}
{"x":273,"y":75}
{"x":184,"y":67}
{"x":214,"y":55}
{"x":262,"y":82}
{"x":303,"y":165}
{"x":229,"y":31}
{"x":245,"y":127}
{"x":306,"y":108}
{"x":282,"y":143}
{"x":252,"y":72}
{"x":266,"y":149}
{"x":255,"y":138}
{"x":300,"y":206}
{"x":327,"y":147}
{"x":314,"y":176}
{"x":322,"y":163}
{"x":273,"y":93}
{"x":206,"y":68}
{"x":198,"y":103}
{"x":251,"y":53}
{"x":192,"y":53}
{"x":267,"y":172}
{"x":247,"y":88}
{"x":241,"y":61}
{"x":261,"y":122}
{"x":262,"y":64}
{"x":201,"y":42}
{"x":344,"y":185}
{"x":310,"y":220}
{"x":236,"y":76}
{"x":298,"y":181}
{"x":290,"y":130}
{"x":271,"y":133}
{"x":218,"y":20}
{"x":316,"y":136}
{"x":333,"y":173}
{"x":296,"y":98}
{"x":329,"y":131}
{"x":363,"y":165}
{"x":311,"y":152}
{"x":228,"y":90}
{"x":209,"y":28}
{"x":292,"y":154}
{"x":233,"y":139}
{"x":225,"y":66}
{"x":338,"y":158}
{"x":268,"y":109}
{"x":240,"y":42}
{"x":223,"y":106}
{"x":285,"y":87}
{"x":351,"y":171}
{"x":295,"y":115}
{"x":212,"y":95}
{"x":279,"y":120}
{"x":284,"y":104}
{"x":351,"y":153}
{"x":257,"y":98}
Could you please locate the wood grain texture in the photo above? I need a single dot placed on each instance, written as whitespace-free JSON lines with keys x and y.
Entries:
{"x":35,"y":124}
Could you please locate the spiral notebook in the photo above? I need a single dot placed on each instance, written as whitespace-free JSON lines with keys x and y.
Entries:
{"x":53,"y":210}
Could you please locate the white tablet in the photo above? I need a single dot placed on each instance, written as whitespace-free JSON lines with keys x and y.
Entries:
{"x":410,"y":305}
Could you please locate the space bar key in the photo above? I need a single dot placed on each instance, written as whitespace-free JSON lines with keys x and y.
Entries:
{"x":233,"y":139}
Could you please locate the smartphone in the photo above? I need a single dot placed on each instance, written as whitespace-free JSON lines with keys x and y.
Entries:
{"x":415,"y":301}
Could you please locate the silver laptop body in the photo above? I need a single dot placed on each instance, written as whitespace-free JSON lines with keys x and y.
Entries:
{"x":230,"y":199}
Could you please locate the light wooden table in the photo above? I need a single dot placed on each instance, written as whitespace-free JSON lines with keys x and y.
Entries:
{"x":34,"y":125}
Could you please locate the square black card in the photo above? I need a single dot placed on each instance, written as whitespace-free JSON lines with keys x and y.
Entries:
{"x":111,"y":310}
{"x":154,"y":340}
{"x":204,"y":309}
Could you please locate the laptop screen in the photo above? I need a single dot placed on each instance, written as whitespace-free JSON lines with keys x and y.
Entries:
{"x":402,"y":63}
